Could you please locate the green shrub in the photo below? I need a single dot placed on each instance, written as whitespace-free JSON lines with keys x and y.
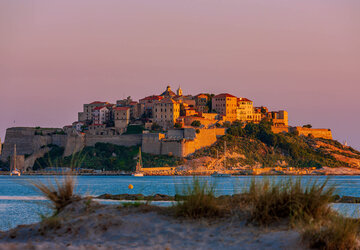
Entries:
{"x":272,"y":201}
{"x":198,"y":201}
{"x":196,"y":124}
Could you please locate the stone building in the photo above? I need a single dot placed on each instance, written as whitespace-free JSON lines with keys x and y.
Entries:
{"x":246,"y":112}
{"x":279,"y":118}
{"x":201,"y":101}
{"x":121,"y":117}
{"x":148,"y":104}
{"x":226,"y":105}
{"x":166,"y":111}
{"x":101,"y":115}
{"x":87,"y":114}
{"x":136,"y":109}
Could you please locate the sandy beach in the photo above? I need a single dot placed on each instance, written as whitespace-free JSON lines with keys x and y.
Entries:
{"x":84,"y":225}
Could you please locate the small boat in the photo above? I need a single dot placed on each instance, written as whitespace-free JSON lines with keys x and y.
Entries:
{"x":138,"y":172}
{"x":217,"y":174}
{"x":13,"y":169}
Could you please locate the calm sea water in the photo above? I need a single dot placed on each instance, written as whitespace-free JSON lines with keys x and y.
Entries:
{"x":20,"y":203}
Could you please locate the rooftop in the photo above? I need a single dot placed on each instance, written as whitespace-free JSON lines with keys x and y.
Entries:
{"x":223,"y":95}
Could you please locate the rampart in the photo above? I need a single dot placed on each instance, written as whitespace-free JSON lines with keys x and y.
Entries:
{"x":159,"y":143}
{"x":316,"y":132}
{"x":121,"y":140}
{"x":281,"y":129}
{"x":30,"y":140}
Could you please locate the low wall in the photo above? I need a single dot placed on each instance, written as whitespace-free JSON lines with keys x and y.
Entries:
{"x":121,"y":140}
{"x":316,"y":132}
{"x":277,"y":130}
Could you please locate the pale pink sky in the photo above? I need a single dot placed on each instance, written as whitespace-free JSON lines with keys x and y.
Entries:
{"x":298,"y":55}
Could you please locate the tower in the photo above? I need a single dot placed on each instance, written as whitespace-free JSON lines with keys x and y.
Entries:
{"x":179,"y":91}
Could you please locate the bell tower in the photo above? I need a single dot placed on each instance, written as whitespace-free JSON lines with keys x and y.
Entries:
{"x":179,"y":91}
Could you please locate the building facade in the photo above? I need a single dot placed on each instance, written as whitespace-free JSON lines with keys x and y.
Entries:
{"x":226,"y":105}
{"x":121,"y":117}
{"x":101,"y":115}
{"x":166,"y":111}
{"x":87,"y":114}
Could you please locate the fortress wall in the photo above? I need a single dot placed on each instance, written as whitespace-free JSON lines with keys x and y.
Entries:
{"x":27,"y":142}
{"x":277,"y":130}
{"x":29,"y":161}
{"x":121,"y":140}
{"x":316,"y":132}
{"x":74,"y":143}
{"x":151,"y":143}
{"x":59,"y":140}
{"x":172,"y":147}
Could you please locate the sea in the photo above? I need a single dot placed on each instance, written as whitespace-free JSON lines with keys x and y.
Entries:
{"x":21,"y":203}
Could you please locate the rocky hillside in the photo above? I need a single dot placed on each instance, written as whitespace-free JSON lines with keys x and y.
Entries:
{"x":256,"y":145}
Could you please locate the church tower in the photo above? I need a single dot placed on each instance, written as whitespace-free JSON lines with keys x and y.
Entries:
{"x":179,"y":91}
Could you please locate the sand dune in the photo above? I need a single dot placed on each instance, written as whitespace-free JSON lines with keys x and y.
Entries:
{"x":93,"y":226}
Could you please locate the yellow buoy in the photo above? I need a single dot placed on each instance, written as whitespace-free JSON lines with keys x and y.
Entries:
{"x":130,"y":186}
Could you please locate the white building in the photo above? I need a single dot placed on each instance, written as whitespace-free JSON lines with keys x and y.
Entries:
{"x":100,"y":115}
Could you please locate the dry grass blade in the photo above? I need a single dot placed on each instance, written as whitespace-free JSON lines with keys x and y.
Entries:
{"x":337,"y":233}
{"x":61,"y":194}
{"x":272,"y":201}
{"x":198,"y":201}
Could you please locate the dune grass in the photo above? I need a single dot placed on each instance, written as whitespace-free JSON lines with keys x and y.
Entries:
{"x":335,"y":233}
{"x":270,"y":201}
{"x":198,"y":201}
{"x":61,"y":194}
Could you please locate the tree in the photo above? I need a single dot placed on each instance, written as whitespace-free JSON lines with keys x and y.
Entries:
{"x":196,"y":123}
{"x":178,"y":125}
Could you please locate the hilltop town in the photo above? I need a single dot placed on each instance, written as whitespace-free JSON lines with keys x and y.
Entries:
{"x":170,"y":124}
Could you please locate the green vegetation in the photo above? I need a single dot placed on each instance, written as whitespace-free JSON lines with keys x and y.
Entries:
{"x":198,"y":201}
{"x":196,"y":124}
{"x":260,"y":145}
{"x":306,"y":208}
{"x":272,"y":201}
{"x":134,"y":129}
{"x":104,"y":156}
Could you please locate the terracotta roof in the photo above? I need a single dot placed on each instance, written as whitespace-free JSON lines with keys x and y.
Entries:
{"x":224,"y":95}
{"x":201,"y":95}
{"x":97,"y":102}
{"x":152,"y":98}
{"x":98,"y":108}
{"x":243,"y":99}
{"x":133,"y":103}
{"x":121,"y":108}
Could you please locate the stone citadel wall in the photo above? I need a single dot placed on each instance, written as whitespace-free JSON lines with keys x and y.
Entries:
{"x":316,"y":132}
{"x":30,"y":140}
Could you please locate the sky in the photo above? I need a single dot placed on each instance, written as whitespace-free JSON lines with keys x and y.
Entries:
{"x":299,"y":55}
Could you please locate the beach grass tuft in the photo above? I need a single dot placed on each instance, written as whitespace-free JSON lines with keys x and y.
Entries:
{"x":198,"y":201}
{"x":61,"y":194}
{"x":337,"y":232}
{"x":271,"y":201}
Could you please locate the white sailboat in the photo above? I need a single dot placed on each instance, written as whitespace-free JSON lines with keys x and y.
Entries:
{"x":13,"y":169}
{"x":138,"y":172}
